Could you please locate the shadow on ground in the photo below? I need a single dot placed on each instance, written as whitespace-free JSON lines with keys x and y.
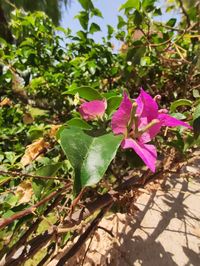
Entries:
{"x":165,"y":232}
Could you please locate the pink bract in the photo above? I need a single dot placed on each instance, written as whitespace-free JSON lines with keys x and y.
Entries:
{"x":93,"y":110}
{"x":147,"y":113}
{"x":148,"y":107}
{"x":121,"y":118}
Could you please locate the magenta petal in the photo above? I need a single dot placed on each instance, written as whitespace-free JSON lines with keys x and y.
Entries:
{"x":93,"y":109}
{"x":121,"y":117}
{"x":151,"y":132}
{"x":146,"y":152}
{"x":154,"y":130}
{"x":168,"y":120}
{"x":147,"y":106}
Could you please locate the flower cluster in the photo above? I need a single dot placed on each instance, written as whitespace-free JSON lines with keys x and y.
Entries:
{"x":139,"y":121}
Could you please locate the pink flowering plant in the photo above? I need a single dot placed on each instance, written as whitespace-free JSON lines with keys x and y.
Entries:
{"x":134,"y":126}
{"x":140,"y":122}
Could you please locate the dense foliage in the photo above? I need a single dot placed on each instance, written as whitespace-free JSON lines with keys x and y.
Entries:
{"x":44,"y":80}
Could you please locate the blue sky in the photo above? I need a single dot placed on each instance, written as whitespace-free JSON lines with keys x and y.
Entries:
{"x":109,"y":9}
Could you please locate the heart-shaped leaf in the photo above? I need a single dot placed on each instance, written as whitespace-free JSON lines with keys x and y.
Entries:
{"x":89,"y":156}
{"x":77,"y":122}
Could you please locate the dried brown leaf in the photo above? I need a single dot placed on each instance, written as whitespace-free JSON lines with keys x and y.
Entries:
{"x":33,"y":150}
{"x":24,"y":191}
{"x":5,"y":101}
{"x":53,"y":130}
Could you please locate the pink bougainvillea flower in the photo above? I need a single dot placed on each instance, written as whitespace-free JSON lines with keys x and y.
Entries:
{"x":148,"y":108}
{"x":140,"y":122}
{"x":93,"y":110}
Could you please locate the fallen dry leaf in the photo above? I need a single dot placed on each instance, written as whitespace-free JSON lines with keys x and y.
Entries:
{"x":33,"y":150}
{"x":53,"y":130}
{"x":24,"y":191}
{"x":5,"y":101}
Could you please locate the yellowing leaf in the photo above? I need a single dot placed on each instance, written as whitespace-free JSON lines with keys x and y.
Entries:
{"x":53,"y":130}
{"x":5,"y":101}
{"x":33,"y":150}
{"x":27,"y":119}
{"x":24,"y":192}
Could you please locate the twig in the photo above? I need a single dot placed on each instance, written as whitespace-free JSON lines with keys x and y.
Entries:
{"x":77,"y":246}
{"x":18,"y":174}
{"x":6,"y":221}
{"x":79,"y":216}
{"x":177,"y":29}
{"x":184,"y":12}
{"x":31,"y":229}
{"x":76,"y":200}
{"x":50,"y":252}
{"x":89,"y":244}
{"x":106,"y":230}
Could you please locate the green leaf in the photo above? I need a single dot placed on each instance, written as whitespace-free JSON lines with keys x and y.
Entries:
{"x":157,"y":12}
{"x":89,"y":156}
{"x":121,"y":22}
{"x":82,"y":35}
{"x":137,"y":18}
{"x":145,"y":61}
{"x":179,"y":116}
{"x":3,"y":42}
{"x":4,"y":179}
{"x":86,"y":4}
{"x":110,"y":94}
{"x":39,"y":185}
{"x":112,"y":104}
{"x":171,"y":22}
{"x":196,"y":112}
{"x":77,"y":122}
{"x":11,"y":200}
{"x":195,"y":93}
{"x":96,"y":12}
{"x":48,"y":170}
{"x":94,"y":28}
{"x":83,"y":18}
{"x":36,"y":111}
{"x":148,"y":4}
{"x":130,"y":4}
{"x":110,"y":30}
{"x":180,"y":102}
{"x":135,"y":54}
{"x":86,"y":93}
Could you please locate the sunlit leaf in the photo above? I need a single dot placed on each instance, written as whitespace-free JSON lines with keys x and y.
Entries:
{"x":89,"y":156}
{"x":85,"y":92}
{"x":130,"y":4}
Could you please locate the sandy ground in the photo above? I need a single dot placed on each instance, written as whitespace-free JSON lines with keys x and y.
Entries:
{"x":165,"y":231}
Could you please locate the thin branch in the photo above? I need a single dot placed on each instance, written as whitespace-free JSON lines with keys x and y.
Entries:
{"x":177,"y":29}
{"x":88,"y":247}
{"x":31,"y":229}
{"x":47,"y":257}
{"x":6,"y":221}
{"x":184,"y":12}
{"x":82,"y":239}
{"x":106,"y":230}
{"x":79,"y":216}
{"x":18,"y":174}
